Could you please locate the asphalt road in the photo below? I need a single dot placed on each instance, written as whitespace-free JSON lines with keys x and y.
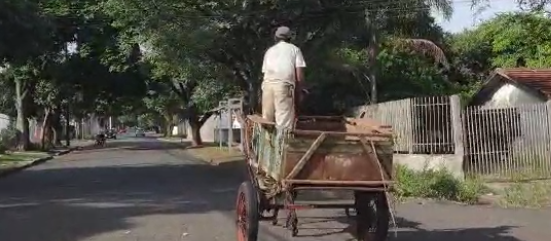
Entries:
{"x":145,"y":190}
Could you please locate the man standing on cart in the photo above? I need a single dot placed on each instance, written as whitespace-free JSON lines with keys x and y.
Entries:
{"x":283,"y":70}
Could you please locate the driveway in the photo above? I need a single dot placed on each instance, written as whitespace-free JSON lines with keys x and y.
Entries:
{"x":139,"y":189}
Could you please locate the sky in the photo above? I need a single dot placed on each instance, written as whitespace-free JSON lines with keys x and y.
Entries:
{"x":465,"y":17}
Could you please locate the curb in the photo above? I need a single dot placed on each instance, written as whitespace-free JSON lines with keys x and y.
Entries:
{"x":37,"y":161}
{"x":170,"y":140}
{"x":221,"y":163}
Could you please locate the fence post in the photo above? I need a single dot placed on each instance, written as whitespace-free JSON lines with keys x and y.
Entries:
{"x":230,"y":125}
{"x":410,"y":118}
{"x":548,"y":105}
{"x":242,"y":125}
{"x":457,"y":125}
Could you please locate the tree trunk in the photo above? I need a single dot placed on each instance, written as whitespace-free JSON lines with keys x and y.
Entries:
{"x":46,"y":137}
{"x":373,"y":52}
{"x":78,"y":128}
{"x":168,"y":125}
{"x":22,"y":124}
{"x":168,"y":131}
{"x":195,"y":132}
{"x":195,"y":125}
{"x":67,"y":127}
{"x":56,"y":126}
{"x":253,"y":104}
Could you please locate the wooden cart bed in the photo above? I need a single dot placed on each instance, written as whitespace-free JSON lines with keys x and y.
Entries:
{"x":323,"y":151}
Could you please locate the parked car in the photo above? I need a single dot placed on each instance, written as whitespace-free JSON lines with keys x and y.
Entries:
{"x":140,"y":133}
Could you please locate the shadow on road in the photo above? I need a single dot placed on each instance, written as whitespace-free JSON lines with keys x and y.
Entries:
{"x":412,"y":231}
{"x":499,"y":233}
{"x":69,"y":204}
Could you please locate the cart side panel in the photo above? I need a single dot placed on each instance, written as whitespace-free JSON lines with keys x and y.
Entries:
{"x":267,"y":145}
{"x":340,"y":160}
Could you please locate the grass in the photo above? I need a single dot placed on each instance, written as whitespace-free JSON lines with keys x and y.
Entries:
{"x":14,"y":160}
{"x":535,"y":194}
{"x":214,"y":154}
{"x":29,"y":154}
{"x":519,"y":182}
{"x":436,"y":184}
{"x":522,"y":193}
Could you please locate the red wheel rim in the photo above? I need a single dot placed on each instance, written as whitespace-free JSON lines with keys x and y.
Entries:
{"x":241,"y":218}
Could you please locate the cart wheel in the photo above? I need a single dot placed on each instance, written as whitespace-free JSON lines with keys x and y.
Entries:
{"x":247,"y":215}
{"x":372,"y":215}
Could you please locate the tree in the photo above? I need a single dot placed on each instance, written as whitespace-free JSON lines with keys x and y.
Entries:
{"x":499,"y":43}
{"x":46,"y":75}
{"x":185,"y":88}
{"x":234,"y":35}
{"x":164,"y":102}
{"x":21,"y":52}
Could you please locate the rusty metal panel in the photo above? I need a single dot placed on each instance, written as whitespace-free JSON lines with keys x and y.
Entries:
{"x":341,"y":161}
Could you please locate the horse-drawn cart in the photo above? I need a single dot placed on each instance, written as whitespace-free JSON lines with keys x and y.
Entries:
{"x":320,"y":153}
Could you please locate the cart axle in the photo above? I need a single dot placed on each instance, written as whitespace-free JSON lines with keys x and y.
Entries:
{"x":311,"y":206}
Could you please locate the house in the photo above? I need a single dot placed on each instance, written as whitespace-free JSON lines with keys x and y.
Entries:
{"x":508,"y":115}
{"x":513,"y":87}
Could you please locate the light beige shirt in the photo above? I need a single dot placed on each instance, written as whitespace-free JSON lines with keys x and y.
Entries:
{"x":280,"y":62}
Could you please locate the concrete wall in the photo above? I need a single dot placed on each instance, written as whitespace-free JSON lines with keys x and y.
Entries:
{"x":420,"y":162}
{"x":4,"y":121}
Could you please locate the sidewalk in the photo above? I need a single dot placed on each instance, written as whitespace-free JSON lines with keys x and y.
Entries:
{"x":210,"y":153}
{"x":14,"y":162}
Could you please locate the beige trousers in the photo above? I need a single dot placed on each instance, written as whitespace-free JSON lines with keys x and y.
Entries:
{"x":278,"y":103}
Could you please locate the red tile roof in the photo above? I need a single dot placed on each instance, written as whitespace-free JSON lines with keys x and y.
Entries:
{"x":536,"y":79}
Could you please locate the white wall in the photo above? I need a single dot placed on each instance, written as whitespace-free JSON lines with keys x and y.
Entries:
{"x":208,"y":130}
{"x":4,"y":121}
{"x":509,"y":95}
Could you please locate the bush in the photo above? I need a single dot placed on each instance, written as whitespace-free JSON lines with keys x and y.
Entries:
{"x":435,"y":184}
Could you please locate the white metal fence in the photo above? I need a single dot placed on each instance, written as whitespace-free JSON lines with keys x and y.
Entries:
{"x":420,"y":125}
{"x":512,"y":142}
{"x":497,"y":143}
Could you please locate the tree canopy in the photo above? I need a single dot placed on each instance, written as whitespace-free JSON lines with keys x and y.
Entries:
{"x":165,"y":61}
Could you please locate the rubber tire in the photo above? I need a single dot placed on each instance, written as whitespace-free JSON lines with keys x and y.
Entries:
{"x":373,"y":205}
{"x":251,"y":206}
